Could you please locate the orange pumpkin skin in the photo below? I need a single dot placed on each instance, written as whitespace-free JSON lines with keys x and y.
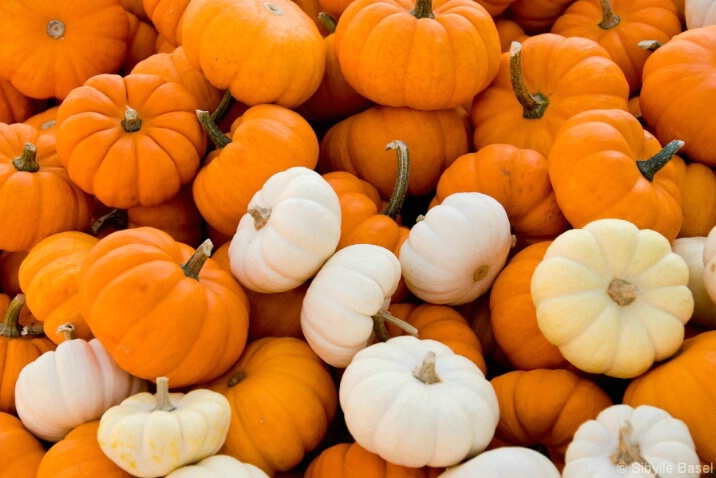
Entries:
{"x":513,"y":315}
{"x":162,"y":45}
{"x":152,"y":318}
{"x":312,"y":8}
{"x":517,"y":179}
{"x":125,"y":163}
{"x":394,"y":58}
{"x":594,"y":173}
{"x":638,"y":20}
{"x":78,"y":455}
{"x":679,"y":81}
{"x":574,"y":74}
{"x":350,"y":460}
{"x":14,"y":106}
{"x":27,"y":451}
{"x":167,"y":16}
{"x":357,"y":145}
{"x":495,"y":7}
{"x":509,"y":31}
{"x":334,"y":8}
{"x":279,"y":388}
{"x":136,"y":7}
{"x":688,"y":378}
{"x":140,"y":42}
{"x":40,"y":203}
{"x":536,"y":16}
{"x":49,"y":278}
{"x":50,"y":47}
{"x":544,"y":407}
{"x":266,"y":139}
{"x":45,"y":121}
{"x":698,"y":198}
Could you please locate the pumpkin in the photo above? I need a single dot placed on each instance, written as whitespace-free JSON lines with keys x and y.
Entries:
{"x":518,"y":180}
{"x":14,"y":106}
{"x":698,"y":198}
{"x":151,"y":435}
{"x":495,"y":7}
{"x":313,"y":9}
{"x":167,"y":16}
{"x":292,"y":226}
{"x":162,"y":45}
{"x":78,"y":455}
{"x":130,"y":141}
{"x":45,"y":121}
{"x":265,"y":139}
{"x":505,"y":462}
{"x":613,"y":298}
{"x":136,"y":7}
{"x":536,"y":16}
{"x":427,"y":54}
{"x":622,"y":439}
{"x":416,"y":403}
{"x":220,"y":38}
{"x":603,"y":164}
{"x":218,"y":466}
{"x":619,"y":25}
{"x":692,"y":399}
{"x":140,"y":42}
{"x":24,"y":450}
{"x":37,"y":197}
{"x":454,"y":254}
{"x":544,"y":407}
{"x":49,"y":47}
{"x":357,"y":145}
{"x":509,"y":31}
{"x":699,"y":13}
{"x":709,"y":260}
{"x":681,"y":73}
{"x":158,"y":305}
{"x":279,"y":387}
{"x":691,"y":250}
{"x":541,"y":83}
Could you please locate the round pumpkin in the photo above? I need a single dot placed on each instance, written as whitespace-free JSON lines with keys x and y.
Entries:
{"x":536,"y":16}
{"x":167,"y":16}
{"x":26,"y":450}
{"x":218,"y":466}
{"x":505,"y":462}
{"x":45,"y":121}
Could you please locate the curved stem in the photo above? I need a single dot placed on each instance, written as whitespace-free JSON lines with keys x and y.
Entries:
{"x":131,"y":122}
{"x":628,"y":451}
{"x":423,"y":9}
{"x":651,"y":45}
{"x":27,"y":161}
{"x":384,"y":316}
{"x":162,"y":396}
{"x":68,"y":330}
{"x":426,"y":372}
{"x":649,"y":167}
{"x":193,"y":266}
{"x":215,"y":134}
{"x":223,"y":108}
{"x":116,"y":218}
{"x":533,"y":106}
{"x":328,"y":21}
{"x":9,"y":326}
{"x":609,"y":19}
{"x":395,"y":204}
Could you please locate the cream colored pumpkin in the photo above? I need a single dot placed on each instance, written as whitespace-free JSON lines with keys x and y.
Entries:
{"x":70,"y":386}
{"x":613,"y":298}
{"x":218,"y":466}
{"x":152,"y":435}
{"x":292,"y":227}
{"x":416,"y":403}
{"x":632,"y":442}
{"x":699,"y":13}
{"x":691,"y":250}
{"x":453,"y":255}
{"x":505,"y":462}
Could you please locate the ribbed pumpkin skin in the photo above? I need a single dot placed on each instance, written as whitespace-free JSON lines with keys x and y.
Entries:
{"x":26,"y":450}
{"x":167,"y":16}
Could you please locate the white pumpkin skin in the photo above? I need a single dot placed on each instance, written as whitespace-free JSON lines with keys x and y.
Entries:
{"x":70,"y":386}
{"x":614,"y":299}
{"x":454,"y":254}
{"x":663,"y":441}
{"x":505,"y":462}
{"x":394,"y":414}
{"x":301,"y":231}
{"x":219,"y":466}
{"x":699,"y":13}
{"x":148,"y":443}
{"x":691,"y":250}
{"x":353,"y":285}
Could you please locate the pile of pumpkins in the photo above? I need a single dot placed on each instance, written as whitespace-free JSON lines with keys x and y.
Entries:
{"x":357,"y":238}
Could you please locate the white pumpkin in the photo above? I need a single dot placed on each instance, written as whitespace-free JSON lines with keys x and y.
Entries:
{"x":691,"y":250}
{"x":632,"y":442}
{"x":416,"y":403}
{"x":354,"y":285}
{"x":453,"y":255}
{"x":292,"y":226}
{"x":152,"y":435}
{"x":614,"y":299}
{"x":219,"y":466}
{"x":699,"y":13}
{"x":505,"y":462}
{"x":70,"y":386}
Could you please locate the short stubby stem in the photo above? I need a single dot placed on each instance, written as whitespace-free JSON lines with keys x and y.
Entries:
{"x":56,"y":29}
{"x":622,"y":292}
{"x":426,"y":371}
{"x":162,"y":396}
{"x":131,"y":122}
{"x":193,"y":266}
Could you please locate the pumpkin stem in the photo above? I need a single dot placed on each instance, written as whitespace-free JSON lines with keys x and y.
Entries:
{"x":260,"y":214}
{"x":649,"y":167}
{"x":56,"y":29}
{"x":426,"y":372}
{"x":9,"y":326}
{"x":423,"y":9}
{"x":215,"y":134}
{"x":651,"y":45}
{"x":162,"y":396}
{"x":224,"y":106}
{"x":533,"y":106}
{"x":395,"y":204}
{"x":193,"y":266}
{"x":236,"y":379}
{"x":68,"y":330}
{"x":131,"y":122}
{"x":622,"y":292}
{"x":116,"y":218}
{"x":33,"y":329}
{"x":48,"y":124}
{"x":609,"y":19}
{"x":328,"y":21}
{"x":629,"y":452}
{"x":384,"y":316}
{"x":27,"y":161}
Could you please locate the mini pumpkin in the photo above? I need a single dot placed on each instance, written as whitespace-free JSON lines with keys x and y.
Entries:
{"x":218,"y":466}
{"x":505,"y":462}
{"x":27,"y":451}
{"x":697,"y":185}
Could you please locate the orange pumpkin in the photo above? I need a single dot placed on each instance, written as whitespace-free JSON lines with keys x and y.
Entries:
{"x":312,"y":8}
{"x":698,"y":198}
{"x":167,"y":16}
{"x":424,"y":54}
{"x":604,"y":165}
{"x":24,"y":450}
{"x":49,"y":48}
{"x":14,"y":106}
{"x":140,"y":42}
{"x":162,"y":45}
{"x":334,"y":8}
{"x":45,"y":121}
{"x":279,"y":388}
{"x":536,"y":16}
{"x":162,"y":309}
{"x":136,"y":7}
{"x":509,"y":31}
{"x":130,"y":141}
